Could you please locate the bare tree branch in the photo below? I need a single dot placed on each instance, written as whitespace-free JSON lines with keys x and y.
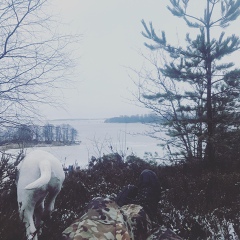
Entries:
{"x":34,"y":58}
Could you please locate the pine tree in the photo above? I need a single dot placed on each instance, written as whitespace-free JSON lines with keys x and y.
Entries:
{"x":210,"y":99}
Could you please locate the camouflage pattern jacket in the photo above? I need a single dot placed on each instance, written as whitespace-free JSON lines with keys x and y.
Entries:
{"x":103,"y":219}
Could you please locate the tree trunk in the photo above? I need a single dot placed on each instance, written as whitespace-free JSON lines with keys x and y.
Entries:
{"x":209,"y":149}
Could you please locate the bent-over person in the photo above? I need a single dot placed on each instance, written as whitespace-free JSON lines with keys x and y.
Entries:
{"x":130,"y":217}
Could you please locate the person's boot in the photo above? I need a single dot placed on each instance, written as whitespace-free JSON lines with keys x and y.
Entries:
{"x":148,"y":194}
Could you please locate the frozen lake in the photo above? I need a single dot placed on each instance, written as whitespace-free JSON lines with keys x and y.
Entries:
{"x":98,"y":138}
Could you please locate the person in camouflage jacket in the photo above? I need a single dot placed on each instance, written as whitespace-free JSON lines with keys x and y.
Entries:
{"x":104,"y":219}
{"x":126,"y":218}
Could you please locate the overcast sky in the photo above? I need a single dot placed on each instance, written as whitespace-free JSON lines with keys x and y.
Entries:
{"x":111,"y":40}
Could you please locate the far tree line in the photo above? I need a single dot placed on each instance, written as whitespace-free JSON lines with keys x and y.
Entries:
{"x":146,"y":118}
{"x":48,"y":134}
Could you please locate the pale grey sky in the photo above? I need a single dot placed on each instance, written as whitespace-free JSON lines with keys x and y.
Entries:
{"x":111,"y":39}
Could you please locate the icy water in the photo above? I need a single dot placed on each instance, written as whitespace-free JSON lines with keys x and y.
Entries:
{"x":98,"y":138}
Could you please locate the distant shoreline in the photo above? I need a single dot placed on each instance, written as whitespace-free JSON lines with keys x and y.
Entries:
{"x":146,"y":118}
{"x":77,"y":119}
{"x":30,"y":145}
